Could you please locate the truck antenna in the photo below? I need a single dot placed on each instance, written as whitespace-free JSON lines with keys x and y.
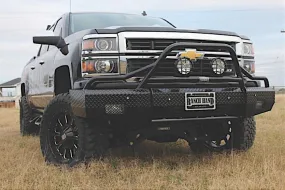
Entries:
{"x":69,"y":5}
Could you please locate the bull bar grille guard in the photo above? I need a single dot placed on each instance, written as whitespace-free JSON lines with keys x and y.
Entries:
{"x":182,"y":81}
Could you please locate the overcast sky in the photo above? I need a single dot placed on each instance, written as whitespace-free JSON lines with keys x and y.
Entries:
{"x":261,"y":20}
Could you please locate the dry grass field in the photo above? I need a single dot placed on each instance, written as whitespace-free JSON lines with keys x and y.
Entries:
{"x":155,"y":166}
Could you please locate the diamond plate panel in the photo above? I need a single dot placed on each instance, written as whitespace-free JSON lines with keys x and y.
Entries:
{"x":77,"y":98}
{"x":229,"y":98}
{"x":260,"y":94}
{"x":129,"y":98}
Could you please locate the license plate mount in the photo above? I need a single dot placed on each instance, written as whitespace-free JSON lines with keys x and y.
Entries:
{"x":200,"y":101}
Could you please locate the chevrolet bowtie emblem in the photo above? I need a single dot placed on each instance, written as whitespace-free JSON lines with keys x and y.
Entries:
{"x":191,"y":54}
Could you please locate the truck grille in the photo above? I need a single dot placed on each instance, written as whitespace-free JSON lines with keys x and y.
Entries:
{"x":168,"y":68}
{"x":199,"y":68}
{"x":161,"y":44}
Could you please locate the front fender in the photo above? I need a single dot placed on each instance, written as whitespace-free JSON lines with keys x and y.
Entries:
{"x":72,"y":60}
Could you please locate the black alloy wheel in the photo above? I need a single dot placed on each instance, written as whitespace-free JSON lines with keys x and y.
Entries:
{"x":64,"y":136}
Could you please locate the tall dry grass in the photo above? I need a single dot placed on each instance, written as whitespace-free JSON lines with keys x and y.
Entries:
{"x":154,"y":166}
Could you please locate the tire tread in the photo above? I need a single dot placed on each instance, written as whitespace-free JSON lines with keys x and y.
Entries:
{"x":26,"y":114}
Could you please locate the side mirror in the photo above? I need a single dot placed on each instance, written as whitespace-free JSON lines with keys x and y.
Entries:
{"x":56,"y":41}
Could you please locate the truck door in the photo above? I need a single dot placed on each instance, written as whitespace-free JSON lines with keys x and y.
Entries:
{"x":34,"y":78}
{"x":46,"y":63}
{"x":28,"y":77}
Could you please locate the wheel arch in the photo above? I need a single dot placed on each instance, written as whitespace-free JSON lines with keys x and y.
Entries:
{"x":62,"y":80}
{"x":23,"y":89}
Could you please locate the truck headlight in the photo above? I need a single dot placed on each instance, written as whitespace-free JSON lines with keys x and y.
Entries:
{"x":248,"y":49}
{"x":104,"y":66}
{"x":100,"y":65}
{"x":219,"y":66}
{"x":100,"y":44}
{"x":249,"y":66}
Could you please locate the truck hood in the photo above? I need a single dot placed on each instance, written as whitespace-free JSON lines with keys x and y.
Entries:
{"x":119,"y":29}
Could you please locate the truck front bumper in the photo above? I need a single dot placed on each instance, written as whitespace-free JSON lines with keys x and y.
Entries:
{"x":169,"y":103}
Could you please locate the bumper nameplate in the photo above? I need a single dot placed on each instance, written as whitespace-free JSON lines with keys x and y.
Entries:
{"x":200,"y":101}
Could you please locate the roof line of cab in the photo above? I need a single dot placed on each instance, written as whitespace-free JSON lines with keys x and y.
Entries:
{"x":151,"y":29}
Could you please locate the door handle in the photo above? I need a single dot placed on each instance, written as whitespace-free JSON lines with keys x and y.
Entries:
{"x":41,"y":62}
{"x":33,"y":68}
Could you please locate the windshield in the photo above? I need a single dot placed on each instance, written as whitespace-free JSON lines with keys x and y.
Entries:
{"x":83,"y":21}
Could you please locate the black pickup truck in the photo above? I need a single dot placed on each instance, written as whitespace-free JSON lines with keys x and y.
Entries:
{"x":102,"y":80}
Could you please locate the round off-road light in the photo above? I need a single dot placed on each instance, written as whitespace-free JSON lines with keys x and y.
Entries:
{"x":184,"y":66}
{"x":104,"y":66}
{"x":219,"y":66}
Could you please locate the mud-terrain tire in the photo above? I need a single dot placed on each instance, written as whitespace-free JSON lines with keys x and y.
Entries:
{"x":243,"y":136}
{"x":93,"y":142}
{"x":50,"y":128}
{"x":88,"y":142}
{"x":26,"y":114}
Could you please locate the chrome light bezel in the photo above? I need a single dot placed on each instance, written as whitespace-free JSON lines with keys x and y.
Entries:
{"x":92,"y":54}
{"x":114,"y":70}
{"x":95,"y":38}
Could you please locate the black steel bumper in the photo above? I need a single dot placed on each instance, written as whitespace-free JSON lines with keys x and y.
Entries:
{"x":164,"y":97}
{"x":168,"y":103}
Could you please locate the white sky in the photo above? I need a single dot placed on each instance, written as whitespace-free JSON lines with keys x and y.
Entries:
{"x":22,"y":19}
